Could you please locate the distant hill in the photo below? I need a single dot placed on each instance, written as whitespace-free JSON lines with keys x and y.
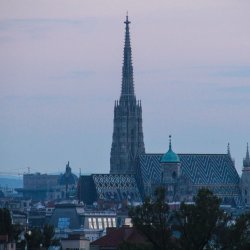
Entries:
{"x":11,"y":182}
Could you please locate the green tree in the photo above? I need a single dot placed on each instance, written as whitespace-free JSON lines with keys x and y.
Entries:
{"x":133,"y":246}
{"x":5,"y":222}
{"x":17,"y":229}
{"x":48,"y":234}
{"x":152,"y":219}
{"x":197,"y":222}
{"x":236,"y":234}
{"x":34,"y":238}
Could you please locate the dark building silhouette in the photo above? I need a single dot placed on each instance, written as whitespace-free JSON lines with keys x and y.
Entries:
{"x":135,"y":174}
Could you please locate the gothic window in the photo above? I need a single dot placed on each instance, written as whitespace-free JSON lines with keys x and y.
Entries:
{"x":174,"y":175}
{"x":132,"y":133}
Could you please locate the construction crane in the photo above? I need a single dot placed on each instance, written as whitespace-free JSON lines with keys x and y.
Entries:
{"x":16,"y":172}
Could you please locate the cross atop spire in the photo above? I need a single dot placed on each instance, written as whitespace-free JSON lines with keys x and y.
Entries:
{"x":127,"y":21}
{"x":127,"y":93}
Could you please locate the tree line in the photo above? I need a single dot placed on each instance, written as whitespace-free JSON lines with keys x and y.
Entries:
{"x":198,"y":226}
{"x":202,"y":225}
{"x":30,"y":239}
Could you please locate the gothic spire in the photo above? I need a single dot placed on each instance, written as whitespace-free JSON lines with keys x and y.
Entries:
{"x":127,"y":141}
{"x":127,"y":93}
{"x":246,"y":161}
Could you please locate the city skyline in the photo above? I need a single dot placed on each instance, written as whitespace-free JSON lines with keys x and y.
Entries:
{"x":61,"y":73}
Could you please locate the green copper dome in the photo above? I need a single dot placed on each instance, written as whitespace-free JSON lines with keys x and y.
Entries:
{"x":170,"y":156}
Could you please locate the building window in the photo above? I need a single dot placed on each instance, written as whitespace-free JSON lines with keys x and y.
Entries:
{"x":105,"y":223}
{"x":174,"y":175}
{"x":90,"y":223}
{"x":94,"y":223}
{"x":113,"y":222}
{"x":245,"y":192}
{"x":109,"y":222}
{"x":100,"y":223}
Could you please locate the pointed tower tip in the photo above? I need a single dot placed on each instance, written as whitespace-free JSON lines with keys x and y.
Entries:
{"x":170,"y":143}
{"x":246,"y":161}
{"x":127,"y":21}
{"x":228,"y":149}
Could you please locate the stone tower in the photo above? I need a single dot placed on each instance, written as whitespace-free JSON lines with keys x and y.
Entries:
{"x":245,"y":179}
{"x":127,"y":142}
{"x":170,"y":168}
{"x":178,"y":187}
{"x":170,"y":163}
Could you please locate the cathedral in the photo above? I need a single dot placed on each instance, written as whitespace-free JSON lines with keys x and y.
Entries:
{"x":134,"y":174}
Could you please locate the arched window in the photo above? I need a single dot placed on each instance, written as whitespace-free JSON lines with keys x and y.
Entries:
{"x":174,"y":175}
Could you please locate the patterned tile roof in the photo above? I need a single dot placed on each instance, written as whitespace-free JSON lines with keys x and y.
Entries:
{"x":116,"y":186}
{"x":202,"y":169}
{"x":214,"y":171}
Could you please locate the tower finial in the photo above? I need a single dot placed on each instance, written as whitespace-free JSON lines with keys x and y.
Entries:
{"x":170,"y":143}
{"x":127,"y":21}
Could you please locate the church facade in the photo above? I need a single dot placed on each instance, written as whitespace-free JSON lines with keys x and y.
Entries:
{"x":135,"y":174}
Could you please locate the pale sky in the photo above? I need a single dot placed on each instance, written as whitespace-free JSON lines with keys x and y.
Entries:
{"x":60,"y":73}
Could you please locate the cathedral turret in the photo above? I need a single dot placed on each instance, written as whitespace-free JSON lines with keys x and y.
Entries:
{"x":245,"y":179}
{"x":170,"y":163}
{"x":127,"y":142}
{"x":171,"y":173}
{"x":246,"y":161}
{"x":228,"y":150}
